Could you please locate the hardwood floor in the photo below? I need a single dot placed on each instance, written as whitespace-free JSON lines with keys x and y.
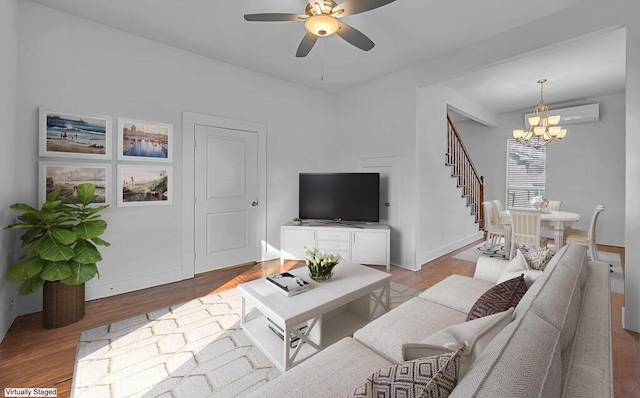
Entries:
{"x":31,"y":356}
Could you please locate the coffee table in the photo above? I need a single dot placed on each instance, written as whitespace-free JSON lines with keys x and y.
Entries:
{"x":331,"y":310}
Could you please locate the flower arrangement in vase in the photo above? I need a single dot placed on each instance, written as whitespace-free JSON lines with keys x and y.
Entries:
{"x":321,"y":264}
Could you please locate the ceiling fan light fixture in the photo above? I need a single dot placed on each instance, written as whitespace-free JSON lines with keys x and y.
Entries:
{"x":322,"y":25}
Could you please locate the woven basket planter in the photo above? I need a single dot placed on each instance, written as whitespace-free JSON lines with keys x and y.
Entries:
{"x":62,"y":304}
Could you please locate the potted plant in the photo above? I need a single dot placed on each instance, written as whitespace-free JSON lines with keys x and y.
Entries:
{"x":297,"y":221}
{"x":320,"y":263}
{"x":61,"y":254}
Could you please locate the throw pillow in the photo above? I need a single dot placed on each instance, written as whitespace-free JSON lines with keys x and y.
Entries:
{"x":434,"y":376}
{"x":519,"y":266}
{"x":474,"y":335}
{"x":537,"y":259}
{"x":499,"y":298}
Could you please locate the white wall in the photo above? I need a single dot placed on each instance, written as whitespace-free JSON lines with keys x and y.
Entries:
{"x":444,"y":224}
{"x":8,"y":115}
{"x":378,"y":120}
{"x":71,"y":64}
{"x":631,"y":317}
{"x":584,"y":170}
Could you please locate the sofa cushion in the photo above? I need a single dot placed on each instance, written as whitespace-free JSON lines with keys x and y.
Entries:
{"x":511,"y":366}
{"x":535,"y":288}
{"x":499,"y":298}
{"x":333,"y":372}
{"x":457,"y":291}
{"x":411,"y":321}
{"x":434,"y":376}
{"x":578,"y":261}
{"x":559,"y":302}
{"x":559,"y":297}
{"x":586,"y":363}
{"x":474,"y":335}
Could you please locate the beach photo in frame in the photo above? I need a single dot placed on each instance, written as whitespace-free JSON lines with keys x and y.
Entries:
{"x":148,"y":185}
{"x":72,"y":135}
{"x":68,"y":175}
{"x":144,"y":141}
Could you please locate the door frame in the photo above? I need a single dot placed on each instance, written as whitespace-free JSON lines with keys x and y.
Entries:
{"x":395,"y":163}
{"x":189,"y":121}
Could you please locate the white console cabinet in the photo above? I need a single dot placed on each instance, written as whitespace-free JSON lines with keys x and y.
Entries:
{"x":364,"y":244}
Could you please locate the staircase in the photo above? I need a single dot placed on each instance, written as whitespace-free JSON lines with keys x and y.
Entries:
{"x":462,"y":168}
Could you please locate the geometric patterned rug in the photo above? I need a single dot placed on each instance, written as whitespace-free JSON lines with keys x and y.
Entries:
{"x":195,"y":349}
{"x":474,"y":253}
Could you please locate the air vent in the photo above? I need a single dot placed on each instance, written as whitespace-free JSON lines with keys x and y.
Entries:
{"x":573,"y":115}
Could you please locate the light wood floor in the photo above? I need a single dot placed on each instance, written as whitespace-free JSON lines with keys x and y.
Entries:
{"x":31,"y":356}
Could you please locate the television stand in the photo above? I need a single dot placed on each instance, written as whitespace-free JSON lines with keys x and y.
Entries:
{"x":335,"y":223}
{"x":363,"y":243}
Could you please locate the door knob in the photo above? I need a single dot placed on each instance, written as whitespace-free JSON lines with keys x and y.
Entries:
{"x":254,"y":203}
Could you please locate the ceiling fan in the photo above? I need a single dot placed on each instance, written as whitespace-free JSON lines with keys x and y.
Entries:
{"x":321,"y":19}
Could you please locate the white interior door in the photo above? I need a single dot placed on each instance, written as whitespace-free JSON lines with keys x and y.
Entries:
{"x":226,"y":197}
{"x":389,"y":169}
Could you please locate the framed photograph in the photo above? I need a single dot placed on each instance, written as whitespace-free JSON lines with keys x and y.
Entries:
{"x":144,"y":185}
{"x":74,"y":136}
{"x":68,"y":175}
{"x":144,"y":141}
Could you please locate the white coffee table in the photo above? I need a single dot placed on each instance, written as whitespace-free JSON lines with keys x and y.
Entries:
{"x":334,"y":309}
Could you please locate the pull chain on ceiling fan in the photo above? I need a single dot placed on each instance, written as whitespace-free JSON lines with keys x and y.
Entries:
{"x":321,"y":18}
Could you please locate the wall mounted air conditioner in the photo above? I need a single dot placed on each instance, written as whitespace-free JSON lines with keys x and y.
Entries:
{"x":572,"y":115}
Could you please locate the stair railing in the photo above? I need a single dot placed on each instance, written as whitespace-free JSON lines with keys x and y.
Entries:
{"x":462,"y":168}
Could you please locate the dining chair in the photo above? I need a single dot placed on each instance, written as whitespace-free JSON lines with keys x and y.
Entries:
{"x":492,"y":226}
{"x":586,"y":237}
{"x":500,"y":209}
{"x":554,"y":205}
{"x":525,"y":229}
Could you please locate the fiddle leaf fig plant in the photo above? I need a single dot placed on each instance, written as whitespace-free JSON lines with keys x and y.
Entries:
{"x":60,"y":240}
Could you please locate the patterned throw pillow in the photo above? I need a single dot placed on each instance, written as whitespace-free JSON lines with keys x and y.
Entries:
{"x":499,"y":298}
{"x":431,"y":377}
{"x":537,"y":259}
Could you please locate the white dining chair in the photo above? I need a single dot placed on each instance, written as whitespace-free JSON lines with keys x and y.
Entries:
{"x":492,"y":226}
{"x":586,"y":237}
{"x":525,"y":229}
{"x":554,"y":205}
{"x":500,"y":209}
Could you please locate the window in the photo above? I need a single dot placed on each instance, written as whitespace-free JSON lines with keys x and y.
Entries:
{"x":526,"y":173}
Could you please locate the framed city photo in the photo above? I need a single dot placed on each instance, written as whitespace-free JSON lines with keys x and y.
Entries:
{"x":144,"y":141}
{"x":68,"y":175}
{"x":74,"y":136}
{"x":144,"y":185}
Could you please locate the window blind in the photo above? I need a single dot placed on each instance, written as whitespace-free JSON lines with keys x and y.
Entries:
{"x":526,"y":173}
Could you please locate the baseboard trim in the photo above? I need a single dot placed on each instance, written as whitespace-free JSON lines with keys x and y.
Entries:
{"x":432,"y":255}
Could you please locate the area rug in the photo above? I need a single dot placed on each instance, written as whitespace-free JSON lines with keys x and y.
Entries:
{"x":474,"y":253}
{"x":195,"y":349}
{"x":617,"y":278}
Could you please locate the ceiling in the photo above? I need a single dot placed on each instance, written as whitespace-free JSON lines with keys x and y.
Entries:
{"x":407,"y":33}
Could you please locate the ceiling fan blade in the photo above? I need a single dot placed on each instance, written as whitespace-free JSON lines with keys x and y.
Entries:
{"x":351,"y":7}
{"x":354,"y":36}
{"x":306,"y":45}
{"x":271,"y":17}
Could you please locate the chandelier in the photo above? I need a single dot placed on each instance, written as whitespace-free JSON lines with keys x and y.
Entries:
{"x":543,"y":129}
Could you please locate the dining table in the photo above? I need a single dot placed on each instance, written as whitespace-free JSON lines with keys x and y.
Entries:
{"x":558,"y":221}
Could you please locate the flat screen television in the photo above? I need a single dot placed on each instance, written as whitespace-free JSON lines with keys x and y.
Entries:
{"x":350,"y":197}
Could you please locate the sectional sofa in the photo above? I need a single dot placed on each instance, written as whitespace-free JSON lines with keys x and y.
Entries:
{"x":555,"y":343}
